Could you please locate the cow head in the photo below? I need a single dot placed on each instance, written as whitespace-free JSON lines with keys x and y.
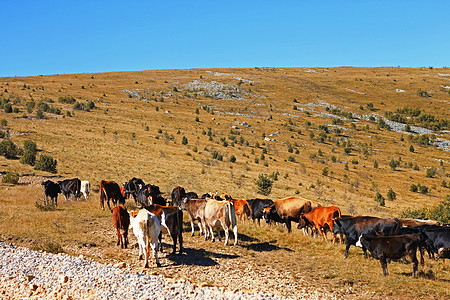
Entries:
{"x":302,"y":222}
{"x":184,"y":203}
{"x":269,"y":213}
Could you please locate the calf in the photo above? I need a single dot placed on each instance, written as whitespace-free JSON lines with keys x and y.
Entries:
{"x":219,"y":213}
{"x":85,"y":188}
{"x":132,"y":187}
{"x":51,"y":190}
{"x":146,"y":227}
{"x":70,"y":187}
{"x":321,"y":218}
{"x":257,"y":208}
{"x":242,"y":208}
{"x":354,"y":227}
{"x":150,"y":194}
{"x":121,"y":220}
{"x":171,"y":218}
{"x":392,"y":247}
{"x":195,"y":210}
{"x":110,"y":190}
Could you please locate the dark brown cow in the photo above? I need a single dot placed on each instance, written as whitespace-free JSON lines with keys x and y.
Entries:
{"x":171,"y":224}
{"x":194,"y":209}
{"x":121,"y":220}
{"x":321,"y":218}
{"x":110,"y":190}
{"x":392,"y":247}
{"x":178,"y":194}
{"x":288,"y":209}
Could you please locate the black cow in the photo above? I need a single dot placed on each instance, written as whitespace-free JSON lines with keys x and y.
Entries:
{"x":191,"y":195}
{"x":132,"y":187}
{"x":354,"y":227}
{"x":178,"y":194}
{"x":150,"y":194}
{"x":392,"y":247}
{"x":51,"y":190}
{"x":257,"y":208}
{"x":71,"y":187}
{"x":437,"y":238}
{"x":171,"y":218}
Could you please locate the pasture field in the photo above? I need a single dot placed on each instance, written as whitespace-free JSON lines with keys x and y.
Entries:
{"x":298,"y":128}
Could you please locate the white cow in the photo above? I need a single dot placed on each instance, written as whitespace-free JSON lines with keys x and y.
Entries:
{"x":85,"y":188}
{"x":219,"y":213}
{"x":146,"y":227}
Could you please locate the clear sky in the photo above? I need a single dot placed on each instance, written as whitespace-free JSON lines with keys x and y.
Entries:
{"x":62,"y":37}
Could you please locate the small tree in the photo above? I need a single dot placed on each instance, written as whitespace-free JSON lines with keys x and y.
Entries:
{"x":394,"y":164}
{"x":29,"y":153}
{"x":232,"y":158}
{"x":46,"y":163}
{"x":8,"y":149}
{"x":413,"y":188}
{"x":411,"y":148}
{"x":184,"y":140}
{"x":264,"y":184}
{"x":391,"y":195}
{"x":380,"y":199}
{"x":375,"y":164}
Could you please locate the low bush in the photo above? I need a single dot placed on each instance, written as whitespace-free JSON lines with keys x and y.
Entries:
{"x":264,"y":184}
{"x":11,"y":177}
{"x":46,"y":163}
{"x":439,"y":212}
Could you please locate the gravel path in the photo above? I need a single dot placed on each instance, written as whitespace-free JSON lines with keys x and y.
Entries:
{"x":25,"y":273}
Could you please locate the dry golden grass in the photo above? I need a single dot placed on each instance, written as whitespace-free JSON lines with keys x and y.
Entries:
{"x":87,"y":147}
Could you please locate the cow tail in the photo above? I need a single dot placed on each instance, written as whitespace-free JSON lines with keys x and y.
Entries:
{"x":339,"y":213}
{"x":249,"y":208}
{"x":397,"y":228}
{"x":232,"y":214}
{"x":180,"y":229}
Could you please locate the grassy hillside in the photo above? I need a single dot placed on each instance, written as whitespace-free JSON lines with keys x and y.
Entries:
{"x":319,"y":130}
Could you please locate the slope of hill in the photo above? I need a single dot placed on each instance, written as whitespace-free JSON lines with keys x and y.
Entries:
{"x":335,"y":135}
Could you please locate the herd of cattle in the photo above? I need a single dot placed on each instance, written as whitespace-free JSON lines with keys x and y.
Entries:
{"x":385,"y":238}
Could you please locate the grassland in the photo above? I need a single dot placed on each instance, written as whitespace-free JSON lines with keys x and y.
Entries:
{"x":299,"y":127}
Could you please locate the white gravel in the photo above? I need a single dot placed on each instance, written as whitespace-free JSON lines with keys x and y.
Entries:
{"x":25,"y":273}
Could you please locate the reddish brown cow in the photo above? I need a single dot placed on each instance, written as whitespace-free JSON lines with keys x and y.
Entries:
{"x":242,"y":208}
{"x":110,"y":190}
{"x":121,"y":220}
{"x":288,"y":209}
{"x":321,"y":218}
{"x":171,"y":223}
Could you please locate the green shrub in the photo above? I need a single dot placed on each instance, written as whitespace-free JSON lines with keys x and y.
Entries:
{"x":394,"y":164}
{"x":184,"y":140}
{"x":423,"y":189}
{"x":439,"y":212}
{"x":264,"y":184}
{"x":413,"y":188}
{"x":431,"y":172}
{"x":29,"y":153}
{"x":8,"y":149}
{"x":11,"y":177}
{"x":46,"y":163}
{"x":67,"y":99}
{"x":380,"y":199}
{"x":391,"y":195}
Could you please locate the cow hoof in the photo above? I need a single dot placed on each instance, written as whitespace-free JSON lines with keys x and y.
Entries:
{"x":140,"y":257}
{"x":158,"y":265}
{"x":146,"y":265}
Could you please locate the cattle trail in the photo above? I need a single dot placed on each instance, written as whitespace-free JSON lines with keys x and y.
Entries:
{"x":25,"y":273}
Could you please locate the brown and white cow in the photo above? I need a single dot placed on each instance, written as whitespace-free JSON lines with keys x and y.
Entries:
{"x":288,"y":209}
{"x":121,"y":220}
{"x":219,"y":213}
{"x":321,"y":219}
{"x":147,"y":228}
{"x":195,"y":210}
{"x":110,"y":190}
{"x":171,"y":218}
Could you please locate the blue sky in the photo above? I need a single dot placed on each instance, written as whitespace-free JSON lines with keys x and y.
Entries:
{"x":63,"y":37}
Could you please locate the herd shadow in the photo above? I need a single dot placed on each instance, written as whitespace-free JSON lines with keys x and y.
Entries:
{"x":198,"y":257}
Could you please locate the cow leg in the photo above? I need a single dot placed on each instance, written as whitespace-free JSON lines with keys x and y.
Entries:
{"x":119,"y":238}
{"x":192,"y":228}
{"x":146,"y":254}
{"x":384,"y":266}
{"x":218,"y":234}
{"x":341,"y":238}
{"x":211,"y":230}
{"x":288,"y":225}
{"x":155,"y":252}
{"x":365,"y":251}
{"x":200,"y":227}
{"x":346,"y":249}
{"x":174,"y":239}
{"x":414,"y":262}
{"x":422,"y":263}
{"x":226,"y":234}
